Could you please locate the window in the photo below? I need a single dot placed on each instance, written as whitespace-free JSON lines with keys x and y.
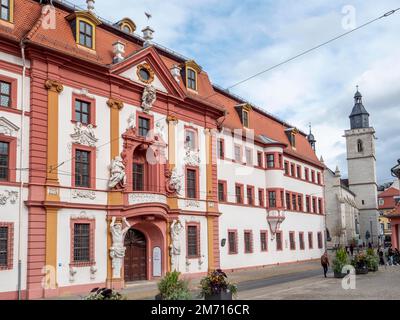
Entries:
{"x":301,"y":240}
{"x":5,"y":10}
{"x":191,"y":183}
{"x":314,"y":205}
{"x":263,"y":241}
{"x":259,"y":159}
{"x":292,"y":140}
{"x":144,"y":126}
{"x":85,"y":34}
{"x":138,"y":177}
{"x":319,"y":178}
{"x":249,"y":156}
{"x":248,"y":242}
{"x":238,"y":153}
{"x":292,"y":172}
{"x":190,"y":139}
{"x":360,"y":147}
{"x":250,"y":195}
{"x":288,"y":206}
{"x":82,"y":112}
{"x":381,"y":201}
{"x":221,"y":192}
{"x":300,"y":202}
{"x":308,"y":204}
{"x":310,"y":240}
{"x":299,"y":172}
{"x":232,"y":242}
{"x":294,"y":202}
{"x":292,"y":241}
{"x":278,"y":237}
{"x":270,"y":161}
{"x":221,"y":148}
{"x":4,"y":160}
{"x":320,"y":206}
{"x":193,"y":241}
{"x":261,"y":197}
{"x":245,"y":118}
{"x":238,"y":193}
{"x":82,"y":169}
{"x":313,"y":176}
{"x":272,"y":199}
{"x":81,"y":245}
{"x":191,"y":79}
{"x":4,"y":246}
{"x":320,"y":240}
{"x":280,"y":158}
{"x":306,"y":174}
{"x":5,"y":94}
{"x":286,"y":168}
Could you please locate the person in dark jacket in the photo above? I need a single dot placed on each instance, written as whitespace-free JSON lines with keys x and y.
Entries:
{"x":390,"y":255}
{"x":351,"y":249}
{"x":381,"y":259}
{"x":325,"y":263}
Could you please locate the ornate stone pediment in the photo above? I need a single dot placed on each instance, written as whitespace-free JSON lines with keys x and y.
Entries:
{"x":8,"y":128}
{"x":84,"y":135}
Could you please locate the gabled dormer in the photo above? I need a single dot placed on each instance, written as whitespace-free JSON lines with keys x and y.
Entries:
{"x":291,"y":134}
{"x":190,"y":74}
{"x":84,"y":24}
{"x":243,"y":111}
{"x":127,"y":25}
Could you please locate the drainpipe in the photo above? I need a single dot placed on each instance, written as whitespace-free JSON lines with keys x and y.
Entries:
{"x":21,"y":185}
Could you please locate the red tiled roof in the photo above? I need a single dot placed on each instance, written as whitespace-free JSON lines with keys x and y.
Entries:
{"x":28,"y":24}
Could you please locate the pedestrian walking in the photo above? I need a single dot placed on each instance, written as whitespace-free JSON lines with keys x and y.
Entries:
{"x":351,"y":249}
{"x":390,"y":255}
{"x":381,"y":259}
{"x":325,"y":262}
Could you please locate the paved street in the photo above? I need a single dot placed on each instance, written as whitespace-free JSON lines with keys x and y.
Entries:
{"x":384,"y":285}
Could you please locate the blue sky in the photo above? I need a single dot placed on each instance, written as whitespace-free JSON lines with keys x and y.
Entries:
{"x":234,"y":39}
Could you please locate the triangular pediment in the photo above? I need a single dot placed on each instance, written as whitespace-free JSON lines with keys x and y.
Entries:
{"x":147,"y":62}
{"x":8,"y":128}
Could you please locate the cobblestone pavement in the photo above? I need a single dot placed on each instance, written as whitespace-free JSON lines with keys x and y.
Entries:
{"x":381,"y":285}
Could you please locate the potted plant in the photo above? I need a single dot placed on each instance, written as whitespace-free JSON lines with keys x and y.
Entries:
{"x":372,"y":260}
{"x":171,"y":287}
{"x":339,"y":262}
{"x":217,"y":287}
{"x":104,"y":294}
{"x":360,"y":263}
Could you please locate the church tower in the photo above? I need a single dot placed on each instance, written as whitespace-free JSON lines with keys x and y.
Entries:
{"x":361,"y":160}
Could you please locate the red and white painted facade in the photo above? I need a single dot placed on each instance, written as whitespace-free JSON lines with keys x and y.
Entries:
{"x":40,"y":202}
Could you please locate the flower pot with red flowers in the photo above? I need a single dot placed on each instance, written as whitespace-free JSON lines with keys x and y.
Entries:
{"x":217,"y":287}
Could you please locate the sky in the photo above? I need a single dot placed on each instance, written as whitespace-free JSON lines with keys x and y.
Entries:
{"x":234,"y":39}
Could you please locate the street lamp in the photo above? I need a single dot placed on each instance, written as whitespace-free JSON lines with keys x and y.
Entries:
{"x":275,"y":219}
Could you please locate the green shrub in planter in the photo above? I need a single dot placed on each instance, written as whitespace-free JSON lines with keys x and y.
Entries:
{"x":171,"y":287}
{"x":360,"y":263}
{"x":339,"y":262}
{"x":372,"y":260}
{"x":104,"y":294}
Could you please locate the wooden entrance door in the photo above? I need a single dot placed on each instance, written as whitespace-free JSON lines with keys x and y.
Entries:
{"x":135,"y":266}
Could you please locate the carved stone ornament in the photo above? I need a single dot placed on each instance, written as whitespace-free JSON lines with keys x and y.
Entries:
{"x":117,"y":174}
{"x":192,"y":203}
{"x":8,"y":128}
{"x":84,"y":135}
{"x":83,"y":194}
{"x":191,"y":157}
{"x":132,"y":121}
{"x":117,"y":249}
{"x":138,"y":198}
{"x":84,"y":92}
{"x":93,"y":271}
{"x":147,"y":68}
{"x":11,"y":196}
{"x":115,"y":104}
{"x":175,"y":247}
{"x":72,"y":273}
{"x":54,"y":85}
{"x":173,"y":181}
{"x":160,"y":130}
{"x":148,"y":98}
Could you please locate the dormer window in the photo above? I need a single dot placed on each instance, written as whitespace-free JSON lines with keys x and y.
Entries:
{"x":86,"y":34}
{"x":192,"y":69}
{"x":145,"y":73}
{"x":6,"y":10}
{"x":243,"y":111}
{"x":83,"y":24}
{"x":127,"y":25}
{"x":291,"y":134}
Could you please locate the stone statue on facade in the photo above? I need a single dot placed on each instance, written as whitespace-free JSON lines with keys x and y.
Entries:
{"x":174,"y":181}
{"x":148,"y":97}
{"x":175,"y":247}
{"x":117,"y":250}
{"x":118,"y":176}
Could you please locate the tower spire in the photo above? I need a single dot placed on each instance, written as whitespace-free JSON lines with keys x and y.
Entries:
{"x":311,"y":138}
{"x":359,"y":117}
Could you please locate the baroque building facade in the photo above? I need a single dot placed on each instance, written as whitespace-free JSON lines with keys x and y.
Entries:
{"x":120,"y":161}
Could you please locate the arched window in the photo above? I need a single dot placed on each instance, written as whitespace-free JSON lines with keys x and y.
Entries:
{"x":360,"y":147}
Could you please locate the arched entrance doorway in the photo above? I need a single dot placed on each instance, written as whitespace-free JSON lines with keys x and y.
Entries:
{"x":135,"y":264}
